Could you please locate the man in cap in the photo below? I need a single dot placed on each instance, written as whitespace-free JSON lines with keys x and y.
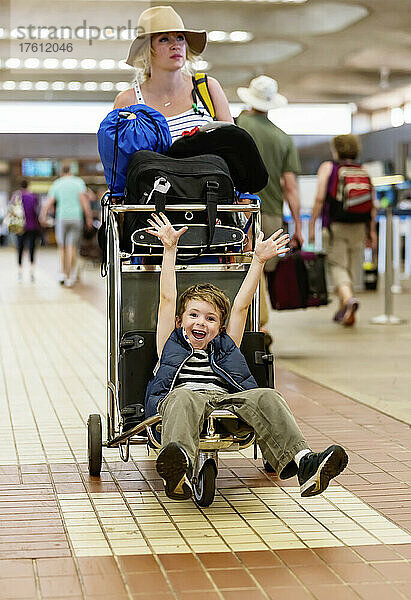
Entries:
{"x":280,"y":158}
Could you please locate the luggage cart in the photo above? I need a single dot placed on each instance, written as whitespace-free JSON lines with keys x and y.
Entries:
{"x":132,"y":301}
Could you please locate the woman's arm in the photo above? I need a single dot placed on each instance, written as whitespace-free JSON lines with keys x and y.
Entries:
{"x":323,"y":175}
{"x":126,"y":98}
{"x":264,"y":250}
{"x":220,"y":102}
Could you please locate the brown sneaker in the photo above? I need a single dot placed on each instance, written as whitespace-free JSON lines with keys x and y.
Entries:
{"x":350,"y":310}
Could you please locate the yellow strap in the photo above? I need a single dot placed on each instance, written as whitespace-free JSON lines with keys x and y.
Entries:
{"x":201,"y":81}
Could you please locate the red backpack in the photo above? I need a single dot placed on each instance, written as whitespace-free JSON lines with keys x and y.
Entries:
{"x":350,"y":193}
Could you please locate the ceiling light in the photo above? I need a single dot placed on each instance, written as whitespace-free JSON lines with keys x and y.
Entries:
{"x":107,"y":86}
{"x":69,"y":63}
{"x":88,"y":63}
{"x":26,"y":85}
{"x":90,"y":86}
{"x":407,"y":112}
{"x":107,"y":63}
{"x":41,"y":85}
{"x":12,"y":63}
{"x":74,"y":86}
{"x":123,"y":65}
{"x":32,"y":63}
{"x":240,"y":36}
{"x":122,"y":85}
{"x":397,"y":117}
{"x":2,"y":32}
{"x":217,"y":36}
{"x":9,"y":85}
{"x":50,"y":63}
{"x":58,"y":86}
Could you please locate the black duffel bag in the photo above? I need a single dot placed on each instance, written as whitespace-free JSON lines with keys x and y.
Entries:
{"x":153,"y":178}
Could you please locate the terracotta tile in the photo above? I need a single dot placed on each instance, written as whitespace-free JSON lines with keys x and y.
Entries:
{"x":259,"y":558}
{"x":103,"y":584}
{"x":12,"y":589}
{"x":182,"y":581}
{"x":138,"y":564}
{"x":395,"y":571}
{"x":375,"y":553}
{"x":16,"y":568}
{"x":333,"y":592}
{"x":147,"y":584}
{"x":203,"y":595}
{"x":298,"y":556}
{"x":338,"y":555}
{"x":244,"y":595}
{"x":219,"y":560}
{"x":144,"y":596}
{"x":228,"y":579}
{"x":403,"y":588}
{"x":55,"y":567}
{"x":97,"y":565}
{"x":403,"y":550}
{"x":357,"y":573}
{"x":277,"y":576}
{"x":179,"y":562}
{"x":56,"y":587}
{"x":288,"y":593}
{"x":376,"y":591}
{"x":316,"y":573}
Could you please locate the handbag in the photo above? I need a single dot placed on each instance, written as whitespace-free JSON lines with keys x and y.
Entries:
{"x":160,"y":180}
{"x":15,"y":218}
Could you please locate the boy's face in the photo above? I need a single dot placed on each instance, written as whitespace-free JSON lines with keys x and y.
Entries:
{"x":201,"y":321}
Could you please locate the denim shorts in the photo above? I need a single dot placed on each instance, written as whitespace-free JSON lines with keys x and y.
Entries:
{"x":68,"y":231}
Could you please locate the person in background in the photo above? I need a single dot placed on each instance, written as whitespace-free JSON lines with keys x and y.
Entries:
{"x":162,"y":54}
{"x":31,"y":229}
{"x":70,"y":195}
{"x":343,"y":241}
{"x":281,"y":160}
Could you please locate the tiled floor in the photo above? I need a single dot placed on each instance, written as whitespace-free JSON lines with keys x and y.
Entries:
{"x":65,"y":535}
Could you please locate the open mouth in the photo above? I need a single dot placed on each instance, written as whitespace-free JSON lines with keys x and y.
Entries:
{"x":198,"y":335}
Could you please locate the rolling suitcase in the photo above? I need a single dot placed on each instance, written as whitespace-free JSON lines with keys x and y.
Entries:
{"x":298,"y":281}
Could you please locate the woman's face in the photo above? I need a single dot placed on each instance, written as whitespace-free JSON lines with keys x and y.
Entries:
{"x":169,"y":50}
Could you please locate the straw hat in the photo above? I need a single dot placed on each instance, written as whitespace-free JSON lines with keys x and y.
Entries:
{"x":262,"y":94}
{"x":161,"y":19}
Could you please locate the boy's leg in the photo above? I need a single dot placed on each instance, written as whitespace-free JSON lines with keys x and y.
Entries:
{"x":282,"y":442}
{"x":183,"y":413}
{"x":278,"y":434}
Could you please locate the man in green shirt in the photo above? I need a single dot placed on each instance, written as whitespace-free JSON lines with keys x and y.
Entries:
{"x":282,"y":163}
{"x":278,"y":153}
{"x":69,"y":194}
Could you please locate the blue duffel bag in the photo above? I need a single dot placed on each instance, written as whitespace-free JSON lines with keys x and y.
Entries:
{"x":123,"y":132}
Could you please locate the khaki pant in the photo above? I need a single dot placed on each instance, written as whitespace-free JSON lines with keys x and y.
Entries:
{"x":345,"y":250}
{"x":264,"y":409}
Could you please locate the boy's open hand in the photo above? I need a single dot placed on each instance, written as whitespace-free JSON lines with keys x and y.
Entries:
{"x":272,"y":246}
{"x":164,"y":231}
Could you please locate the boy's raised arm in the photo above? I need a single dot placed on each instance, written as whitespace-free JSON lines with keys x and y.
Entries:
{"x":264,"y":250}
{"x":162,"y":229}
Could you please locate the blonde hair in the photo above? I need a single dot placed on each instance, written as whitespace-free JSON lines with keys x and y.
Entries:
{"x":207,"y":292}
{"x":347,"y":146}
{"x":142,"y":62}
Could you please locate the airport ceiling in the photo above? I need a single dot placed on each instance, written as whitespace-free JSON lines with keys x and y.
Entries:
{"x":318,"y":50}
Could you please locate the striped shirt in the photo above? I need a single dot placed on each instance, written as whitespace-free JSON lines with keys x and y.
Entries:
{"x":197,"y":374}
{"x":184,"y":121}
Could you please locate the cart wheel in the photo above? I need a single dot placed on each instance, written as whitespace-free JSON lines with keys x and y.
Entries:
{"x":204,"y":490}
{"x":95,"y":445}
{"x":267,"y":467}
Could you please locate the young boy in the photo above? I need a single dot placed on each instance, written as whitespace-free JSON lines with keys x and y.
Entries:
{"x":201,"y":368}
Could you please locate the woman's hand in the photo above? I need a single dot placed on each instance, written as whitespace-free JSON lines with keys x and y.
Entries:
{"x":272,"y":246}
{"x":164,"y":231}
